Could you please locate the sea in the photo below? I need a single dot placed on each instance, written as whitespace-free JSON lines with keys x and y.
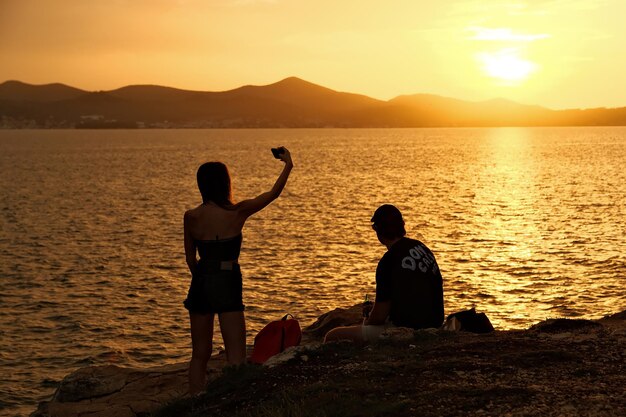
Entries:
{"x":526,"y":224}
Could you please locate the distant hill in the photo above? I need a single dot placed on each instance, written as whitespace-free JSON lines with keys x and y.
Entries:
{"x":22,"y":92}
{"x":291,"y":102}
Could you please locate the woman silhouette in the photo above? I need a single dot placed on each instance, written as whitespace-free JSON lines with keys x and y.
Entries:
{"x":213,"y":229}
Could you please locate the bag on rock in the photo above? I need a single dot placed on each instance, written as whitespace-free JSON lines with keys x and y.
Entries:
{"x":276,"y":337}
{"x":469,"y":321}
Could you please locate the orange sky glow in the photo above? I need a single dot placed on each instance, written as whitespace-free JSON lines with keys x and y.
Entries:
{"x":555,"y":53}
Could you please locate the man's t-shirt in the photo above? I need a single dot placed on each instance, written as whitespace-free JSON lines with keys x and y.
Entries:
{"x":408,"y":276}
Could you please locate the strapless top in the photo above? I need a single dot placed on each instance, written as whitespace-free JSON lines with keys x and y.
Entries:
{"x":219,"y":249}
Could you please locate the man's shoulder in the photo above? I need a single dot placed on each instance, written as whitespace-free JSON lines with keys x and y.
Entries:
{"x":412,"y":242}
{"x":385,"y":259}
{"x":411,"y":256}
{"x":405,"y":244}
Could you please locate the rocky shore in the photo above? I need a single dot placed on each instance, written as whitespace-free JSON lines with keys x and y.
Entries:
{"x":558,"y":367}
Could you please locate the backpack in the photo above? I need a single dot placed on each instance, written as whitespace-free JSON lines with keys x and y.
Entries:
{"x":275,"y":337}
{"x":469,"y":321}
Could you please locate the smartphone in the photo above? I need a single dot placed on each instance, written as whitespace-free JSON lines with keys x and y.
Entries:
{"x":277,"y":152}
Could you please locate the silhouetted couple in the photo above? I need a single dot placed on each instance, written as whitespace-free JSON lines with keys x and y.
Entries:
{"x":408,"y":283}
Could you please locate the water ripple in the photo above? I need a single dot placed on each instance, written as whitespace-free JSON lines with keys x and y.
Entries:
{"x":525,"y":223}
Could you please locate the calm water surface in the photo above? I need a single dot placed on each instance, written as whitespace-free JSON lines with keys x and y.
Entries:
{"x":526,"y":224}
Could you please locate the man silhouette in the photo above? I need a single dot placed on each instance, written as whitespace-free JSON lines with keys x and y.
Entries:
{"x":409,"y":287}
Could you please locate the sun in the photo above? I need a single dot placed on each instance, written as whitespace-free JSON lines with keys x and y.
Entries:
{"x":506,"y":65}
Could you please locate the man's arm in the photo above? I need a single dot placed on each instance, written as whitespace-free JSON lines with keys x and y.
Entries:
{"x":379,"y":313}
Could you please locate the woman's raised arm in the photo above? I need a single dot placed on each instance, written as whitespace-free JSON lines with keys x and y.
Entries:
{"x":248,"y":207}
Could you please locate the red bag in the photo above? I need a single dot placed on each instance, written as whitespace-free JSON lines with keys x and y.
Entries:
{"x":276,"y":337}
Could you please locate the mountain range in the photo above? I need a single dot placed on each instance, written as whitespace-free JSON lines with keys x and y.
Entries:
{"x":291,"y":102}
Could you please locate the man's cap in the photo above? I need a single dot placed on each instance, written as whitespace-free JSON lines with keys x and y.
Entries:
{"x":387,"y":215}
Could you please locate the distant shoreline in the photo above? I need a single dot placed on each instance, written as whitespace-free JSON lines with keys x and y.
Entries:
{"x":289,"y":103}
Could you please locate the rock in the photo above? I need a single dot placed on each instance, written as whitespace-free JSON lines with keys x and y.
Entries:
{"x":283,"y":357}
{"x":291,"y":353}
{"x":615,"y":322}
{"x":621,"y":316}
{"x":564,"y":325}
{"x":104,"y":391}
{"x":550,"y":349}
{"x":398,"y":334}
{"x":92,"y":382}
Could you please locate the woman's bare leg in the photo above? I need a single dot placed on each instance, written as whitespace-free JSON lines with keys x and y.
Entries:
{"x":202,"y":345}
{"x":233,"y":326}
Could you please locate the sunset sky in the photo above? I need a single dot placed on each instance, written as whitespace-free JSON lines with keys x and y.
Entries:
{"x":557,"y":53}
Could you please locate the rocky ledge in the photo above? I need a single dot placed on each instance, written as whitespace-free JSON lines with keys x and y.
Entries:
{"x":556,"y":367}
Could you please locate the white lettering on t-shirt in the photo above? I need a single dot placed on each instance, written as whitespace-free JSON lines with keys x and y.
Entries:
{"x":409,"y":263}
{"x":426,"y":259}
{"x":415,"y":253}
